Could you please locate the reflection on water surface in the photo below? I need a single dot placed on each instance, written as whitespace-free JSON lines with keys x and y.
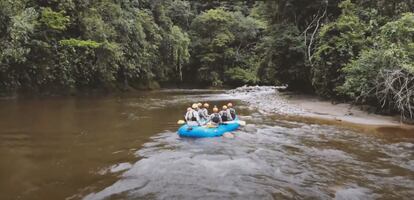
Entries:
{"x":126,"y":147}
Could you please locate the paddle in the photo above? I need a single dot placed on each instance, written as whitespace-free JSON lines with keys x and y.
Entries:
{"x":181,"y":122}
{"x":242,"y":123}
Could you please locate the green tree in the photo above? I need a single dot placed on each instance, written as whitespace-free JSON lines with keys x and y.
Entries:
{"x":289,"y":43}
{"x":222,"y":40}
{"x":54,"y":20}
{"x":180,"y":49}
{"x":338,"y":43}
{"x":390,"y":62}
{"x":284,"y":55}
{"x":13,"y":54}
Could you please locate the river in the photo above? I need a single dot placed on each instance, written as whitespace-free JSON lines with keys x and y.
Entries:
{"x":126,"y":147}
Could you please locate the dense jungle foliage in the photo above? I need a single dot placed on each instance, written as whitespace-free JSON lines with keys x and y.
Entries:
{"x":360,"y":50}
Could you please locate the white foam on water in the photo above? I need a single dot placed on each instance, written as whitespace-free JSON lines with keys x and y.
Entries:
{"x":354,"y":194}
{"x":266,"y":99}
{"x":267,"y":159}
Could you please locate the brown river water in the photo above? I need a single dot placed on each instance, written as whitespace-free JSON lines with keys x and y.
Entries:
{"x":126,"y":147}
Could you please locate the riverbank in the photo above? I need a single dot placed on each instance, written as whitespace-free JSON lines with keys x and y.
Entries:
{"x":316,"y":107}
{"x":347,"y":115}
{"x":308,"y":108}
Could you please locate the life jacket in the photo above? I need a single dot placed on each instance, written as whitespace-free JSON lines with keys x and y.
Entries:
{"x":190,"y":116}
{"x":201,"y":113}
{"x":204,"y":113}
{"x":232,"y":113}
{"x":215,"y":118}
{"x":195,"y":116}
{"x":224,"y":116}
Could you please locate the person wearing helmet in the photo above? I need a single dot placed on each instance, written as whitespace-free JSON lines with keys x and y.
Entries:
{"x":232,"y":110}
{"x":215,"y":116}
{"x":204,"y":112}
{"x":225,"y":114}
{"x":189,"y":115}
{"x":192,"y":117}
{"x":199,"y":111}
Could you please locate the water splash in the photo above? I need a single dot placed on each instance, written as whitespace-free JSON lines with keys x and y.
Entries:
{"x":268,"y":159}
{"x":265,"y":161}
{"x":266,"y":99}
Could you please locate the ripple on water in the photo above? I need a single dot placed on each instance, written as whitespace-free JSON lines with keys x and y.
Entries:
{"x":357,"y":193}
{"x":267,"y":161}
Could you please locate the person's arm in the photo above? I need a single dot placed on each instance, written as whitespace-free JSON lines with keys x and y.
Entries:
{"x":234,"y":110}
{"x":210,"y":117}
{"x":197,"y":116}
{"x":229,"y":115}
{"x":186,"y":116}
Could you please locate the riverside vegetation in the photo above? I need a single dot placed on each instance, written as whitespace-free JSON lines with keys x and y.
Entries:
{"x":362,"y":51}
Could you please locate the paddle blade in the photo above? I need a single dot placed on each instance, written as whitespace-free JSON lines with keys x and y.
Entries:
{"x":209,"y":125}
{"x":181,"y":122}
{"x":242,"y":123}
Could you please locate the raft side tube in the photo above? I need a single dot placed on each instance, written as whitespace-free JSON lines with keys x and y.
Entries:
{"x":202,"y":131}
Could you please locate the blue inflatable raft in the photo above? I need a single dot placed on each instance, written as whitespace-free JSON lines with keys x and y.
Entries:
{"x":202,"y":131}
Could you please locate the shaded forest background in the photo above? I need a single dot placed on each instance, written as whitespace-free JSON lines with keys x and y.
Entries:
{"x":362,"y":51}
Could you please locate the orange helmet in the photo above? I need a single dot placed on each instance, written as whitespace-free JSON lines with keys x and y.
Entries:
{"x":215,"y":109}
